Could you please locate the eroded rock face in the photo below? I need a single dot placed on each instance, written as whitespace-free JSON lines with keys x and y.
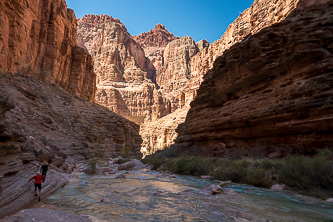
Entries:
{"x":123,"y":85}
{"x":38,"y":40}
{"x":174,"y":75}
{"x":154,"y":43}
{"x":117,"y":57}
{"x":272,"y":90}
{"x":160,"y":133}
{"x":260,"y":15}
{"x":41,"y":122}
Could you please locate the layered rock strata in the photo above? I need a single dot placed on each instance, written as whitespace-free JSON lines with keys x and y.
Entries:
{"x":272,"y":90}
{"x":261,"y":14}
{"x":175,"y":73}
{"x":123,"y":84}
{"x":38,"y":40}
{"x":42,"y":122}
{"x":154,"y":43}
{"x":159,"y":134}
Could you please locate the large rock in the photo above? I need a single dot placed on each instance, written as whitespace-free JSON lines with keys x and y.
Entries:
{"x":38,"y":40}
{"x":131,"y":165}
{"x":18,"y":192}
{"x":41,"y":215}
{"x":272,"y":90}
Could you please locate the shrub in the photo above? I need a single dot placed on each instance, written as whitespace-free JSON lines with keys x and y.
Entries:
{"x":309,"y":175}
{"x":125,"y":152}
{"x":188,"y":165}
{"x":92,"y":165}
{"x":155,"y":161}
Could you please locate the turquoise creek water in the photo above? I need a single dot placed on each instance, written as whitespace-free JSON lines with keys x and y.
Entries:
{"x":144,"y":197}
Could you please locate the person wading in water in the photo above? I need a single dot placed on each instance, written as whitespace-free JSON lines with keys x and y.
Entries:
{"x":38,"y":184}
{"x":44,"y":169}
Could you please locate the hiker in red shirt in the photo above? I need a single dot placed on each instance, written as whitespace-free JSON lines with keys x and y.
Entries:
{"x":38,"y":183}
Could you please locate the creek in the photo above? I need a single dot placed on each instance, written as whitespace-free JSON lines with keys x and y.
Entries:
{"x":143,"y":196}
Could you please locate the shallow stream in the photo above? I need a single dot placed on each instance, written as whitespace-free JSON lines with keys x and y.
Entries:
{"x":143,"y":196}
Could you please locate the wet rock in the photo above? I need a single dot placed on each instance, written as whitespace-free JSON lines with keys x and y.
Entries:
{"x":229,"y":191}
{"x":205,"y":177}
{"x":278,"y":187}
{"x":211,"y":189}
{"x":159,"y":193}
{"x":132,"y":165}
{"x":330,"y":200}
{"x":41,"y":215}
{"x":189,"y":191}
{"x":166,"y":175}
{"x":223,"y":183}
{"x":105,"y":200}
{"x":106,"y":169}
{"x":120,"y":176}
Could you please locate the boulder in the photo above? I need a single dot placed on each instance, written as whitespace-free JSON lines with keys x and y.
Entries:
{"x":278,"y":187}
{"x":132,"y":165}
{"x":57,"y":161}
{"x":120,"y":176}
{"x":211,"y":189}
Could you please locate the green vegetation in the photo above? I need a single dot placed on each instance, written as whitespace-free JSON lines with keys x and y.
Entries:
{"x":125,"y":152}
{"x":311,"y":176}
{"x":92,"y":165}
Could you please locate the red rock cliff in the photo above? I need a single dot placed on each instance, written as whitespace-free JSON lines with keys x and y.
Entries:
{"x":38,"y":40}
{"x":272,"y":90}
{"x":154,"y":43}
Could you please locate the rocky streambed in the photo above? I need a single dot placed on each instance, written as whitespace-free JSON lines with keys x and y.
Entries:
{"x":144,"y":195}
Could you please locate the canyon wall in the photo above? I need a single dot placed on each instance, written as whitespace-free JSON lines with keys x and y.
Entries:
{"x":261,"y":14}
{"x":123,"y":83}
{"x":41,"y":122}
{"x":182,"y":90}
{"x":41,"y":67}
{"x":270,"y":92}
{"x":38,"y":40}
{"x":154,"y":43}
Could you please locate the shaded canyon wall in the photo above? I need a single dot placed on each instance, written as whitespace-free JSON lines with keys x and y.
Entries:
{"x":273,"y":90}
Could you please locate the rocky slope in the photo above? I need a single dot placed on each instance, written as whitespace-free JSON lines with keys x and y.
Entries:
{"x":272,"y":90}
{"x":39,"y":40}
{"x":42,"y":122}
{"x":41,"y":67}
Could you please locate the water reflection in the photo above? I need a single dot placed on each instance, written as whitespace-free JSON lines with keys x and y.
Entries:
{"x":144,"y":197}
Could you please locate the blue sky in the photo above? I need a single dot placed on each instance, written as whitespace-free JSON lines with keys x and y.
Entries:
{"x":199,"y":19}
